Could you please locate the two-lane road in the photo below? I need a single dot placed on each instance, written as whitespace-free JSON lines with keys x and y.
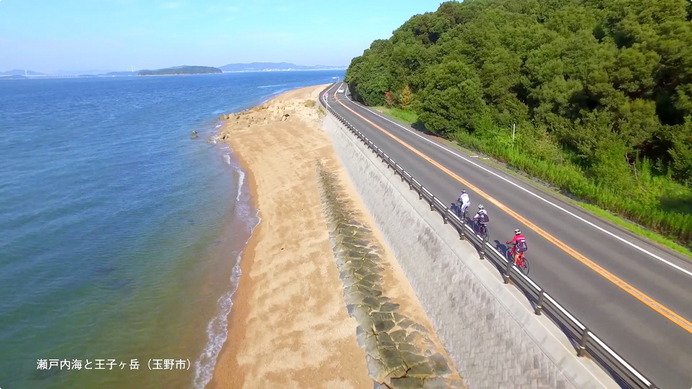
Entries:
{"x":632,"y":293}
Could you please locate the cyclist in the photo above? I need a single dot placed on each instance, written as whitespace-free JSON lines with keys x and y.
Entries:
{"x":482,"y":219}
{"x":481,"y":216}
{"x":464,"y":201}
{"x":518,"y":245}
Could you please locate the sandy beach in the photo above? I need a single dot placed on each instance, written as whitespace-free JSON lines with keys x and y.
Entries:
{"x":289,"y":326}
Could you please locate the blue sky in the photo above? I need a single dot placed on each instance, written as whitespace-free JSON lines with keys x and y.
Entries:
{"x":77,"y":35}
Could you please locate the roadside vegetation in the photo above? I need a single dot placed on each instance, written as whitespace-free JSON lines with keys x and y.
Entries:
{"x":411,"y":118}
{"x":591,"y":96}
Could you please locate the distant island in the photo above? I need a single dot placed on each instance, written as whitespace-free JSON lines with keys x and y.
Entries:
{"x":18,"y":73}
{"x":177,"y":70}
{"x":180,"y":70}
{"x":273,"y":66}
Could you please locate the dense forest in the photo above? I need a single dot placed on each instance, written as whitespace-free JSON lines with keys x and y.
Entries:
{"x":600,"y":93}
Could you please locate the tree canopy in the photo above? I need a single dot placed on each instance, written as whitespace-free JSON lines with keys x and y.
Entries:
{"x":605,"y":84}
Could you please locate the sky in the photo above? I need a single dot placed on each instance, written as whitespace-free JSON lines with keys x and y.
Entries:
{"x":59,"y":36}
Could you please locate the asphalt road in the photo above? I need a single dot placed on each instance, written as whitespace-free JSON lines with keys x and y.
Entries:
{"x":632,"y":293}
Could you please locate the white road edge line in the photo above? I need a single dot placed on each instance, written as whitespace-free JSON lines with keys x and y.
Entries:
{"x":689,"y":273}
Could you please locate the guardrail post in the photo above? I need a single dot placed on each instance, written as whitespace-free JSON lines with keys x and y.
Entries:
{"x":581,"y":350}
{"x":539,"y":304}
{"x":462,"y":235}
{"x":482,"y":252}
{"x":505,"y":276}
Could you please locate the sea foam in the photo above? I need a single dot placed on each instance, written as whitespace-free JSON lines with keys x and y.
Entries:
{"x":217,"y":330}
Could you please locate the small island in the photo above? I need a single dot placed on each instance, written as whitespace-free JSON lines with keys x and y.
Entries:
{"x":180,"y":70}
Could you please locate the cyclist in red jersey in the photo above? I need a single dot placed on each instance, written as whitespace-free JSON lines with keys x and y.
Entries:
{"x":518,"y":244}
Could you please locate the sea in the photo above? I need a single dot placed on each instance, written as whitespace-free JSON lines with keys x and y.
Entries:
{"x":122,"y":221}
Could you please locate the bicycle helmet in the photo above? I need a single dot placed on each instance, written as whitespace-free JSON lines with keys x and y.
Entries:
{"x":480,"y":206}
{"x":463,"y":191}
{"x":517,"y":232}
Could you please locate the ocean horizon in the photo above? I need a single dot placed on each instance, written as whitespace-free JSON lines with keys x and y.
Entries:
{"x":123,"y":221}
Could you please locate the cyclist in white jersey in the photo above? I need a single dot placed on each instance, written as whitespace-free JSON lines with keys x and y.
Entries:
{"x":481,"y":216}
{"x":464,"y":200}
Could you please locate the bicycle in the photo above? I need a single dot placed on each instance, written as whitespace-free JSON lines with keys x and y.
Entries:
{"x":519,"y":259}
{"x":457,"y":209}
{"x":464,"y":212}
{"x":482,"y":230}
{"x":454,"y":207}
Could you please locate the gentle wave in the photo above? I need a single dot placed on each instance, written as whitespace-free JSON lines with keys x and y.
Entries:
{"x":241,"y":182}
{"x":270,"y":86}
{"x":218,"y":332}
{"x":217,"y":329}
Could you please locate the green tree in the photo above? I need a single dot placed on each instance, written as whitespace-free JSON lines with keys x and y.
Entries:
{"x":681,"y":152}
{"x":501,"y":78}
{"x":369,"y":76}
{"x":602,"y":87}
{"x":452,"y":98}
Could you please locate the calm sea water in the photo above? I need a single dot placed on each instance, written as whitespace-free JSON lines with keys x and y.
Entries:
{"x":120,"y":233}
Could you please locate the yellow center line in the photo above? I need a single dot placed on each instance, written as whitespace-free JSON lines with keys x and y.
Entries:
{"x":639,"y":295}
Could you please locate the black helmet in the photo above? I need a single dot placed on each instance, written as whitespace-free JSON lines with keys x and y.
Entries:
{"x":517,"y":232}
{"x":481,"y":207}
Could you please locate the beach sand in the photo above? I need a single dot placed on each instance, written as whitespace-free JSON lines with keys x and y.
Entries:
{"x":289,"y":326}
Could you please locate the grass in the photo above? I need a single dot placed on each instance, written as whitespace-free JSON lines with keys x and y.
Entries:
{"x":633,"y":212}
{"x":657,"y":208}
{"x":407,"y":117}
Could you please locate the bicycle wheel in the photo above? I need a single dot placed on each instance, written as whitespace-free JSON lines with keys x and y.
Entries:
{"x":484,"y":232}
{"x":523,"y":264}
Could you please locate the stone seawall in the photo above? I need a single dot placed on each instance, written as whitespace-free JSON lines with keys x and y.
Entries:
{"x":488,"y":328}
{"x":399,"y":351}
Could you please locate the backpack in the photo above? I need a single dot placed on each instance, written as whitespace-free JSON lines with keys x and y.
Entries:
{"x":483,"y":218}
{"x":522,"y":246}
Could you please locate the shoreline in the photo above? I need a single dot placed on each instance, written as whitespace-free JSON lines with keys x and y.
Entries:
{"x":239,"y":308}
{"x":289,"y":325}
{"x":237,"y":235}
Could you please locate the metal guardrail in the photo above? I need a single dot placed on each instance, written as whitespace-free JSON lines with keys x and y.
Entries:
{"x":585,"y":342}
